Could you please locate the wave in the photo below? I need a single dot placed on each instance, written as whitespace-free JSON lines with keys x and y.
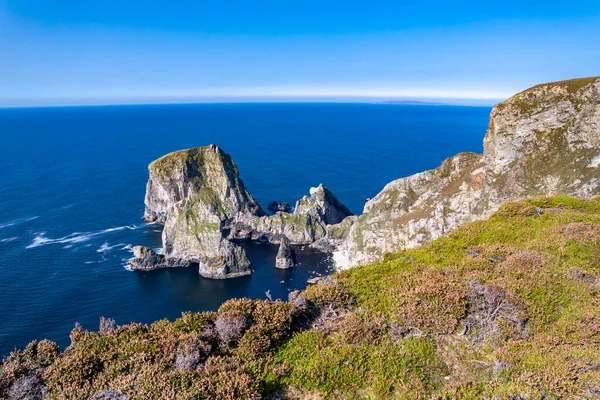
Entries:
{"x":75,"y":237}
{"x":9,"y":239}
{"x":106,"y":247}
{"x":17,"y":221}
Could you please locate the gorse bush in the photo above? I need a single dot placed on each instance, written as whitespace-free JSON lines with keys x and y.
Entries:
{"x":506,"y":308}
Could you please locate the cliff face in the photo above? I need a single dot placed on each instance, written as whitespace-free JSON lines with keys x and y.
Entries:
{"x":204,"y":173}
{"x":196,"y":193}
{"x":543,"y":141}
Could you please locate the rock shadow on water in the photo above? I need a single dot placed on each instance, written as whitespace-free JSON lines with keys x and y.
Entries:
{"x":195,"y":293}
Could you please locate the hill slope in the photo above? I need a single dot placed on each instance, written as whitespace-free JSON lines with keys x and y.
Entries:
{"x":505,"y":308}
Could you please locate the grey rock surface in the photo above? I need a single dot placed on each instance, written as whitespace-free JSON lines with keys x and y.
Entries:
{"x":543,"y":141}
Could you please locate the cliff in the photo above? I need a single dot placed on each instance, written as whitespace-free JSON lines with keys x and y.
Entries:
{"x":543,"y":141}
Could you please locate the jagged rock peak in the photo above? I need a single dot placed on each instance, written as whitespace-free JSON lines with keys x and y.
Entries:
{"x":205,"y":174}
{"x":543,"y":141}
{"x":324,"y":204}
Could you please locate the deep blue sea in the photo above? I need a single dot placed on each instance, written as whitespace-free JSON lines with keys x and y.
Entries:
{"x":72,"y":183}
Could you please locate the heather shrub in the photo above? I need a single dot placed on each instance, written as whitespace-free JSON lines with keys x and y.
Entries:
{"x":494,"y":314}
{"x":107,"y":325}
{"x":230,"y":326}
{"x":191,"y":353}
{"x":109,"y":395}
{"x":21,"y":372}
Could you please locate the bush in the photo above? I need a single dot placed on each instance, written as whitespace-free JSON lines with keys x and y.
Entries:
{"x":494,"y":314}
{"x":231,"y":325}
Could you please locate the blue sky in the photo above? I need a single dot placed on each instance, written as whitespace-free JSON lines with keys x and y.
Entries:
{"x":130,"y":51}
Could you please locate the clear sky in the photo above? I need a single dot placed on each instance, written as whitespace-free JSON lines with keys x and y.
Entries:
{"x":133,"y":51}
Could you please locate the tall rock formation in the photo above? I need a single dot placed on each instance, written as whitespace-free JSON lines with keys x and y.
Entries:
{"x":199,"y":197}
{"x":197,"y":193}
{"x":543,"y":141}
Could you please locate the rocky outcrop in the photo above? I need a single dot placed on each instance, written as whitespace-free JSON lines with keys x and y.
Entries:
{"x":206,"y":174}
{"x":197,"y":193}
{"x":543,"y":141}
{"x":146,"y":259}
{"x":199,"y":197}
{"x":275,"y":206}
{"x":307,"y":224}
{"x":286,"y":256}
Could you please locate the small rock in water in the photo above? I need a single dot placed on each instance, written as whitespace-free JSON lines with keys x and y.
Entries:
{"x":275,"y":206}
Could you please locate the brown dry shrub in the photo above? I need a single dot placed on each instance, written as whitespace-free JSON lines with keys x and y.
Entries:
{"x":329,"y":292}
{"x":581,"y":231}
{"x":230,"y":326}
{"x":360,"y":327}
{"x":494,"y":314}
{"x":21,"y":372}
{"x":518,"y":209}
{"x":272,"y":324}
{"x":433,"y":301}
{"x":523,"y":262}
{"x":245,"y":306}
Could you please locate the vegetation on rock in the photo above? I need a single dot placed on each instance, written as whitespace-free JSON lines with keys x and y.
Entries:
{"x":504,"y":308}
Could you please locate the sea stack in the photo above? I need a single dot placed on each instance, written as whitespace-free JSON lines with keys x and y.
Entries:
{"x":286,"y":256}
{"x":196,"y":193}
{"x":206,"y":210}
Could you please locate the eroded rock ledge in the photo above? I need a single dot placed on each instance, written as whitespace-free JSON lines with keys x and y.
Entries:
{"x":205,"y":208}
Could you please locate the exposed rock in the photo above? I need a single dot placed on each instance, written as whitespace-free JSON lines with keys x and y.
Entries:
{"x":543,"y":141}
{"x":229,"y":262}
{"x":286,"y":256}
{"x":323,"y":205}
{"x":146,"y":259}
{"x":275,"y":206}
{"x":205,"y":174}
{"x":306,"y":225}
{"x":197,"y":193}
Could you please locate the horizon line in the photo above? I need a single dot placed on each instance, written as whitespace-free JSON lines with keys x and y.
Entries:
{"x":249,"y":99}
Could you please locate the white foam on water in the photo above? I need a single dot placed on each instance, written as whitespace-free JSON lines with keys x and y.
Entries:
{"x":129,"y":248}
{"x":75,"y":237}
{"x":8,"y":240}
{"x":127,"y":267}
{"x":106,"y":247}
{"x":17,"y":221}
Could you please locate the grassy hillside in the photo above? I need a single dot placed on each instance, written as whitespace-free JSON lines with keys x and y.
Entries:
{"x":507,"y":308}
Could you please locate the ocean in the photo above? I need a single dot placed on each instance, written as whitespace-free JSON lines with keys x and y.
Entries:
{"x":72,"y":184}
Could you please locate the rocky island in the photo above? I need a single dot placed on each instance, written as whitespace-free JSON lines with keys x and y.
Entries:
{"x":206,"y":210}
